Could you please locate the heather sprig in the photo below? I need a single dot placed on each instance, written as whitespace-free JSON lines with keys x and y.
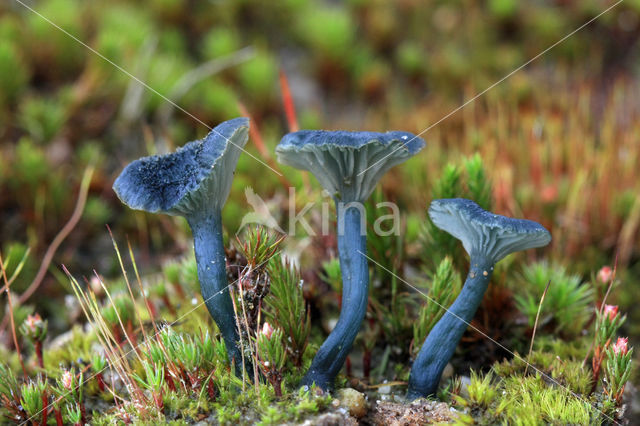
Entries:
{"x":444,"y":288}
{"x":74,"y":414}
{"x":70,"y":388}
{"x":618,"y":369}
{"x":260,"y":245}
{"x":272,"y":355}
{"x":34,"y":399}
{"x":286,"y":307}
{"x":10,"y":394}
{"x":35,"y":330}
{"x":98,"y":364}
{"x":153,"y":381}
{"x":608,"y":322}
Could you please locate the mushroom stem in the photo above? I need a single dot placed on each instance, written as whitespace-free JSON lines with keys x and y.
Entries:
{"x":355,"y":289}
{"x":441,"y":342}
{"x":212,"y":274}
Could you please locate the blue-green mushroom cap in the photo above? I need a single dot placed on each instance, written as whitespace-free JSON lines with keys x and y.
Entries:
{"x":196,"y":178}
{"x":348,"y":165}
{"x":484,"y":233}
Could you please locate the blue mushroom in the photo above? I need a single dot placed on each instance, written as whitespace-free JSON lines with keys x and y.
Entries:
{"x":194,"y":182}
{"x":487,"y":238}
{"x":348,"y":165}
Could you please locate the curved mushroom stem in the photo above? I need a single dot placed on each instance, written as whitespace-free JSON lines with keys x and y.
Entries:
{"x":441,"y":342}
{"x":355,"y":291}
{"x":212,"y":274}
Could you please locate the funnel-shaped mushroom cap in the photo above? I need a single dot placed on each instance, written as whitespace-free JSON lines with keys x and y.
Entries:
{"x":195,"y":178}
{"x":484,"y":233}
{"x":347,"y":164}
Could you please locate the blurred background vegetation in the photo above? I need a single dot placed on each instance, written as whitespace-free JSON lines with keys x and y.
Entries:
{"x":559,"y":140}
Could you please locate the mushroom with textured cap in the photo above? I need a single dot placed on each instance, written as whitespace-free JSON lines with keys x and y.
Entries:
{"x":487,"y":238}
{"x":194,"y":182}
{"x":348,"y":165}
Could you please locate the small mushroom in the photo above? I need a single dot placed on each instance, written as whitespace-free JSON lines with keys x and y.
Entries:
{"x":194,"y":182}
{"x":348,"y":165}
{"x":487,"y":238}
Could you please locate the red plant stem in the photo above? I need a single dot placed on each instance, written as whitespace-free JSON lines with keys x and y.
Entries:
{"x":287,"y":100}
{"x":254,"y":133}
{"x":83,"y":413}
{"x":366,"y":363}
{"x":348,"y":366}
{"x":169,"y":380}
{"x":45,"y":408}
{"x":168,"y":304}
{"x":277,"y":387}
{"x":117,"y":335}
{"x":596,"y":364}
{"x":211,"y":388}
{"x":153,"y":311}
{"x":178,"y":288}
{"x":59,"y":421}
{"x":38,"y":347}
{"x":101,"y":384}
{"x":130,"y":333}
{"x":157,"y":398}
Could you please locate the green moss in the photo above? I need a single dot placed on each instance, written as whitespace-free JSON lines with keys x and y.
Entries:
{"x":123,"y":30}
{"x":173,"y":41}
{"x":482,"y":393}
{"x":310,"y":119}
{"x":503,"y":8}
{"x":329,"y":30}
{"x":259,"y":76}
{"x":50,"y":48}
{"x":443,"y":288}
{"x":532,"y":401}
{"x":90,"y":152}
{"x":11,"y":64}
{"x":515,"y":399}
{"x":566,"y":307}
{"x":164,"y":72}
{"x":217,"y":98}
{"x":219,"y":42}
{"x":30,"y":164}
{"x":410,"y":58}
{"x":77,"y":344}
{"x":42,"y":118}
